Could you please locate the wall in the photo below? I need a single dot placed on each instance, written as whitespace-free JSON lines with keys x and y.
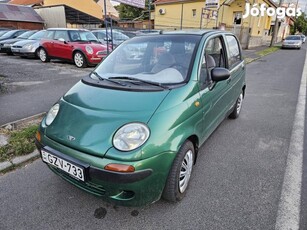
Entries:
{"x":21,"y":25}
{"x":53,"y":16}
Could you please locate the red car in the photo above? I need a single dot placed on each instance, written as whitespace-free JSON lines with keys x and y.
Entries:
{"x":77,"y":45}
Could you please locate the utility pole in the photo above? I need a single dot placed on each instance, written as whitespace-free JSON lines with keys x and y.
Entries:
{"x":275,"y":29}
{"x":181,"y":16}
{"x":149,"y":9}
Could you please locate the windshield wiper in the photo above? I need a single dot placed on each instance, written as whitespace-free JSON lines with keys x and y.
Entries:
{"x":140,"y":80}
{"x":106,"y":79}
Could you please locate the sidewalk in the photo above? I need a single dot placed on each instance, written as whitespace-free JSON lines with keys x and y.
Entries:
{"x":255,"y":53}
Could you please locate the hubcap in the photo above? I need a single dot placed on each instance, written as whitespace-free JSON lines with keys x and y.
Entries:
{"x":239,"y":104}
{"x":185,"y":171}
{"x":42,"y":55}
{"x":78,"y":59}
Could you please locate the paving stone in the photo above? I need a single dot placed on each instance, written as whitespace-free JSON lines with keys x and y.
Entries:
{"x":3,"y":140}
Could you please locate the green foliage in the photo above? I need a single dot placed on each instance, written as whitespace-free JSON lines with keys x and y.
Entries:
{"x":21,"y":142}
{"x":300,"y":25}
{"x":127,"y":12}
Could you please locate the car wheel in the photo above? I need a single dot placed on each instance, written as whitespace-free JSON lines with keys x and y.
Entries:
{"x":180,"y":173}
{"x":237,"y":108}
{"x":79,"y":60}
{"x":43,"y":56}
{"x":36,"y":53}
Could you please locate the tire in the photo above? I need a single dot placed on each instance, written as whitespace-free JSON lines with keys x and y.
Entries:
{"x":237,"y":108}
{"x":176,"y":186}
{"x":79,"y":59}
{"x":43,"y":56}
{"x":36,"y":53}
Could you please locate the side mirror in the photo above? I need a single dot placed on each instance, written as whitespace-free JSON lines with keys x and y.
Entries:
{"x":62,"y":40}
{"x":219,"y":74}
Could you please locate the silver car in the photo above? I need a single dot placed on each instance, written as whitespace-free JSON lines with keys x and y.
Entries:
{"x":28,"y":48}
{"x":292,"y":41}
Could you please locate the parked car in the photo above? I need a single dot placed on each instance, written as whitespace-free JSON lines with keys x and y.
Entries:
{"x":5,"y":45}
{"x":303,"y":37}
{"x":118,"y":37}
{"x":12,"y":34}
{"x":142,"y":32}
{"x":28,"y":47}
{"x":76,"y":45}
{"x":292,"y":41}
{"x":2,"y":32}
{"x":130,"y":131}
{"x":130,"y":34}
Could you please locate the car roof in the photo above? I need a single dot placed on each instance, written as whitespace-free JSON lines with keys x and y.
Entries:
{"x":191,"y":32}
{"x":70,"y":29}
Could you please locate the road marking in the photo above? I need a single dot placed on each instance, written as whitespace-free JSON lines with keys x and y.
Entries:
{"x":288,"y":214}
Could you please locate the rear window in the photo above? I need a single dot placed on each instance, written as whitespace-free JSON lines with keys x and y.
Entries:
{"x":234,"y":54}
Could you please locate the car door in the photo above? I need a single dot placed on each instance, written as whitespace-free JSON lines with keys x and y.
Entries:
{"x":47,"y":42}
{"x":61,"y":47}
{"x":236,"y":67}
{"x":214,"y":95}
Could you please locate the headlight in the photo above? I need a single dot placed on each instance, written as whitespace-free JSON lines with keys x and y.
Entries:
{"x":28,"y":46}
{"x":89,"y":49}
{"x":130,"y":136}
{"x":52,"y":114}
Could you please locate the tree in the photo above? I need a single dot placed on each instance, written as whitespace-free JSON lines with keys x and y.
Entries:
{"x":127,"y":12}
{"x":300,"y":25}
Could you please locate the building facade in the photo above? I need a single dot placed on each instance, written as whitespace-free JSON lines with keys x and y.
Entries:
{"x":225,"y":14}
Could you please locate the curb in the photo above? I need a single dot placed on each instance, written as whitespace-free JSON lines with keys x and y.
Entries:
{"x":17,"y":161}
{"x":6,"y":165}
{"x":15,"y":124}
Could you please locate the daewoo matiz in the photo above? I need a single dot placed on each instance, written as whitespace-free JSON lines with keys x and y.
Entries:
{"x":131,"y":130}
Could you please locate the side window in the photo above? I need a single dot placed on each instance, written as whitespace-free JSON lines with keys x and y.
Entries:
{"x":234,"y":55}
{"x":61,"y":34}
{"x":49,"y":34}
{"x":214,"y":56}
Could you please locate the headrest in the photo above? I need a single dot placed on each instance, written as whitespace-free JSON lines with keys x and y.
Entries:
{"x":210,"y":62}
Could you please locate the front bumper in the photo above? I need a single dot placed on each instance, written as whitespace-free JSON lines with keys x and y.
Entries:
{"x":5,"y":49}
{"x":291,"y":46}
{"x":23,"y":52}
{"x":141,"y":187}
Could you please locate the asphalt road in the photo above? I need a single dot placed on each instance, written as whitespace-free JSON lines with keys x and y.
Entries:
{"x":32,"y":86}
{"x":236,"y":183}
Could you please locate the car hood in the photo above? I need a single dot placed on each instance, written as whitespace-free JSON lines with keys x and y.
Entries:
{"x":91,"y":44}
{"x":11,"y":41}
{"x":92,"y":115}
{"x":24,"y":42}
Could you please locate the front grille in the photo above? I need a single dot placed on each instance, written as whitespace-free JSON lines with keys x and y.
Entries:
{"x":101,"y":53}
{"x":87,"y":186}
{"x":17,"y":47}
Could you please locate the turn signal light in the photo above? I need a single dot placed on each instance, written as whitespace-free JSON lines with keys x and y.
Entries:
{"x":38,"y":136}
{"x":119,"y":168}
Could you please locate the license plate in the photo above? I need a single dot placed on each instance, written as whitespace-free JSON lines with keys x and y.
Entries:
{"x":72,"y":169}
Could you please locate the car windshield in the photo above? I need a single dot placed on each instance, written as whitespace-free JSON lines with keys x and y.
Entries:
{"x":38,"y":35}
{"x":162,"y":59}
{"x":26,"y":35}
{"x":8,"y":34}
{"x":3,"y":32}
{"x":82,"y":36}
{"x":293,"y":38}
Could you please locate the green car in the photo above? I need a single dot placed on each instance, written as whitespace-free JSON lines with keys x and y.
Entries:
{"x":130,"y":131}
